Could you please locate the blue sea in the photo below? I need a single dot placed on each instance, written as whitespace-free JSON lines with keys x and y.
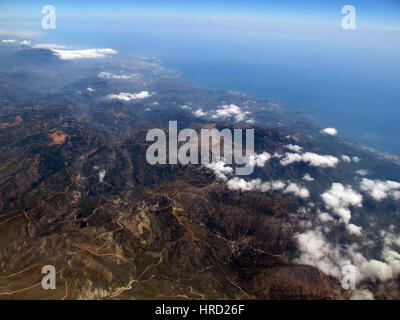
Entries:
{"x":360,"y":107}
{"x":349,"y":80}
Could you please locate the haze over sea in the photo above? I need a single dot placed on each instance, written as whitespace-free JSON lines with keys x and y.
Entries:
{"x":300,"y":57}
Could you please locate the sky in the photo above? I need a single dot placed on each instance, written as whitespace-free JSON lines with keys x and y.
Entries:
{"x":253,"y":17}
{"x":371,"y":12}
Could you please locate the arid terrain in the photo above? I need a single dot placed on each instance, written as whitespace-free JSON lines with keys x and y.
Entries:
{"x":77,"y":193}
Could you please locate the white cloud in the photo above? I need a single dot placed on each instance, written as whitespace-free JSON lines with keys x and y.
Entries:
{"x":312,"y":159}
{"x":316,"y":251}
{"x":362,"y":172}
{"x":346,"y":158}
{"x":278,"y":185}
{"x":124,"y":96}
{"x":325,"y":217}
{"x":330,"y":258}
{"x":250,"y":121}
{"x":294,"y":148}
{"x":199,"y":113}
{"x":90,"y":89}
{"x":353,"y":229}
{"x":307,"y":177}
{"x":50,"y":46}
{"x":220,"y":169}
{"x":108,"y":75}
{"x":340,"y":198}
{"x":392,"y":258}
{"x":241,"y":184}
{"x":374,"y":269}
{"x":298,"y":191}
{"x":362,"y":294}
{"x":317,"y":160}
{"x":82,"y":54}
{"x":257,"y":185}
{"x":258,"y":160}
{"x":102,"y":174}
{"x":330,"y":131}
{"x":291,"y":158}
{"x":231,"y":111}
{"x":390,"y":238}
{"x":380,"y":190}
{"x":9,"y":41}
